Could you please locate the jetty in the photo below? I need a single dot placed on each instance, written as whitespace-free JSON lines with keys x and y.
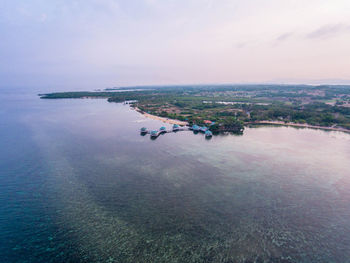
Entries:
{"x":176,"y":128}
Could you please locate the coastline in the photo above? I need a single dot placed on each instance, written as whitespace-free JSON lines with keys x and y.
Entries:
{"x":163,"y":119}
{"x":281,"y":123}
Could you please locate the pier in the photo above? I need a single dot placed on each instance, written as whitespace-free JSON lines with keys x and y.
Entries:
{"x":156,"y":133}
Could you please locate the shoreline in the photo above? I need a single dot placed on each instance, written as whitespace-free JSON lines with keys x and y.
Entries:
{"x":281,"y":123}
{"x":163,"y":119}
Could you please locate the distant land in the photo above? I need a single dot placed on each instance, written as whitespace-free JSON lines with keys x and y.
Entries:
{"x":231,"y":107}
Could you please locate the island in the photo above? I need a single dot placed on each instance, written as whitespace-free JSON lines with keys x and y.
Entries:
{"x":229,"y":108}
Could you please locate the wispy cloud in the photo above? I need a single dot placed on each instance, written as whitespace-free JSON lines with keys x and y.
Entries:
{"x":284,"y":36}
{"x":241,"y":44}
{"x":328,"y":31}
{"x":43,"y":18}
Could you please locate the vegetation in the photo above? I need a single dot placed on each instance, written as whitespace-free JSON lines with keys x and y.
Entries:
{"x":231,"y":106}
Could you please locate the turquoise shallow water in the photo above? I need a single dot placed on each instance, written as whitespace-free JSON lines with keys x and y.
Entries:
{"x":79,"y":184}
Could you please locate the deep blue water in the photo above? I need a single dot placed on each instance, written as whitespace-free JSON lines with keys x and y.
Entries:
{"x":79,"y":184}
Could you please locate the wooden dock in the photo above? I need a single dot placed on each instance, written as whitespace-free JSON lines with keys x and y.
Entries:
{"x":156,"y":133}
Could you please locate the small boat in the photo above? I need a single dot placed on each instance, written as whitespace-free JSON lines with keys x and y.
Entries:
{"x":195,"y":127}
{"x":176,"y":127}
{"x":143,"y":130}
{"x":208,"y":134}
{"x":154,"y":133}
{"x":203,"y":129}
{"x":162,"y":130}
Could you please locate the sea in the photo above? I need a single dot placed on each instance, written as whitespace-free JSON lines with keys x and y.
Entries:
{"x":78,"y":183}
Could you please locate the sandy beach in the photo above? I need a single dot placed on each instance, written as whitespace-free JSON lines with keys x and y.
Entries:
{"x":184,"y":123}
{"x":165,"y":120}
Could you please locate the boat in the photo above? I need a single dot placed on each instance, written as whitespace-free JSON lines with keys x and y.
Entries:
{"x":203,"y":129}
{"x":195,"y":127}
{"x":176,"y":127}
{"x":143,"y":130}
{"x":162,"y":129}
{"x":208,"y":134}
{"x":154,"y":133}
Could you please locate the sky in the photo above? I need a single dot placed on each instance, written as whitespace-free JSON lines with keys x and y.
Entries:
{"x":112,"y":43}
